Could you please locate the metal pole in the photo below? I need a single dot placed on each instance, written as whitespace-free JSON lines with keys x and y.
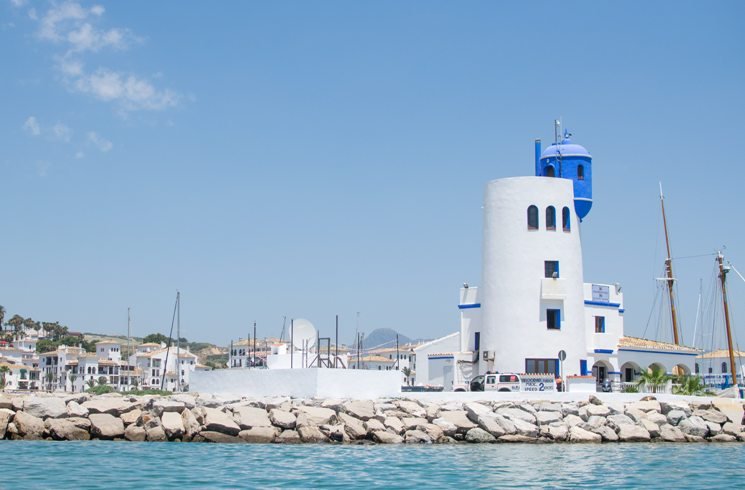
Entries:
{"x":733,"y":369}
{"x":178,"y":341}
{"x":397,"y":354}
{"x":292,"y":346}
{"x":254,"y":363}
{"x":336,"y":342}
{"x":669,"y":271}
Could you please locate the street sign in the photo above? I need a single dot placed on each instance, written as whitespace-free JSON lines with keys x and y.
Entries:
{"x":562,"y":355}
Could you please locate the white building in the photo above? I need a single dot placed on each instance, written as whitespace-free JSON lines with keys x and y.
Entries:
{"x":714,"y":368}
{"x":166,"y":368}
{"x":534,"y":302}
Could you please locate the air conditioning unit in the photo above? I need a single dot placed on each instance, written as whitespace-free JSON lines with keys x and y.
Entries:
{"x":488,"y":355}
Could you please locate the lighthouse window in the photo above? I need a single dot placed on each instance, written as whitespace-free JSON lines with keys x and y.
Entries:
{"x":599,"y":324}
{"x":532,"y":218}
{"x":580,"y":172}
{"x":550,"y":171}
{"x":551,"y":269}
{"x":566,"y":225}
{"x":551,"y":218}
{"x":553,"y":319}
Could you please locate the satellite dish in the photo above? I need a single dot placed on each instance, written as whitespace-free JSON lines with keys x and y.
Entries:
{"x":303,"y":330}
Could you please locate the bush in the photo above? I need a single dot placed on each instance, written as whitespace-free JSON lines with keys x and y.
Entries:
{"x":100,"y":390}
{"x":147,"y":392}
{"x":630,"y":389}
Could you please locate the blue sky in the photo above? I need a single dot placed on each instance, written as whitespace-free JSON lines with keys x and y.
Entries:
{"x":304,"y":159}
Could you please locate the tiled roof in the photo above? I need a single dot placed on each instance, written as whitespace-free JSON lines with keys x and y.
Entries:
{"x":373,"y":359}
{"x":721,"y":353}
{"x":639,"y":343}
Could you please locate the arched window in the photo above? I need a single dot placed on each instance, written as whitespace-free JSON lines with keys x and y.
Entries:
{"x":549,"y":171}
{"x":551,"y":218}
{"x":565,"y":224}
{"x":580,"y":172}
{"x":532,"y":218}
{"x":724,"y":368}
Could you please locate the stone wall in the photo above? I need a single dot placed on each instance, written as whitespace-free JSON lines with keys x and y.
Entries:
{"x":190,"y":417}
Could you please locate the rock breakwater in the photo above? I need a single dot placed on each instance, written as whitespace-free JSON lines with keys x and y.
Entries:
{"x":194,"y":418}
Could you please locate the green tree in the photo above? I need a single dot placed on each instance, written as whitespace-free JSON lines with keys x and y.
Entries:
{"x":102,"y":380}
{"x":4,"y":370}
{"x":2,"y":316}
{"x":407,"y":373}
{"x":652,"y":380}
{"x":689,"y":385}
{"x":90,"y":383}
{"x":16,"y":321}
{"x":73,"y":377}
{"x":49,"y":377}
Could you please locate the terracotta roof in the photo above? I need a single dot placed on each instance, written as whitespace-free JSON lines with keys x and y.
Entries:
{"x":108,"y":342}
{"x":721,"y":353}
{"x":373,"y":359}
{"x":638,"y":343}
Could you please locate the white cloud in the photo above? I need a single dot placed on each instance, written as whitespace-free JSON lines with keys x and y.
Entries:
{"x":79,"y":155}
{"x":73,"y":26}
{"x":61,"y":132}
{"x":31,"y":126}
{"x":101,"y":143}
{"x":132,"y":92}
{"x":18,"y":3}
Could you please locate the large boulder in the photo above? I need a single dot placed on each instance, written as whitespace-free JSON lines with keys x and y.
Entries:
{"x":288,"y":436}
{"x":517,"y":414}
{"x":374,"y":425}
{"x":218,"y":437}
{"x":249,"y":417}
{"x":548,"y":417}
{"x":110,"y":405}
{"x":173,"y":424}
{"x":558,"y":432}
{"x":218,"y":421}
{"x":134,"y":433}
{"x":577,"y":434}
{"x":478,"y":435}
{"x":723,"y":438}
{"x":474,"y":410}
{"x":75,"y":409}
{"x":5,"y":417}
{"x":311,"y":433}
{"x":606,"y":433}
{"x":412,"y":408}
{"x":385,"y":437}
{"x":448,"y":428}
{"x":191,"y":425}
{"x":675,"y":416}
{"x":732,"y":408}
{"x":617,"y":420}
{"x":29,"y":426}
{"x":651,"y":427}
{"x":525,"y":428}
{"x":6,"y":402}
{"x":571,"y":420}
{"x":259,"y":434}
{"x":633,"y":433}
{"x":417,"y":437}
{"x":596,"y":410}
{"x":360,"y":409}
{"x":131,"y":417}
{"x":646,"y":405}
{"x":106,"y":426}
{"x":670,"y":433}
{"x":314,"y":416}
{"x":434,"y":432}
{"x":162,"y":406}
{"x":396,"y":425}
{"x":155,"y":434}
{"x":458,"y":418}
{"x":490,"y":425}
{"x":711,"y":416}
{"x":410,"y":423}
{"x":354,"y":427}
{"x":45,"y":407}
{"x":64,"y":430}
{"x":694,"y":426}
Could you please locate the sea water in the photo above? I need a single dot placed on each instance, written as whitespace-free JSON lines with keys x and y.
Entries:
{"x":109,"y":465}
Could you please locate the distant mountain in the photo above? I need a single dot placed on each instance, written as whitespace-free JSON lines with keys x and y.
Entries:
{"x":382,"y":337}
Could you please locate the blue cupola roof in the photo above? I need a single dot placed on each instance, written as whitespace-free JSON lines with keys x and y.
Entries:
{"x":566,"y":148}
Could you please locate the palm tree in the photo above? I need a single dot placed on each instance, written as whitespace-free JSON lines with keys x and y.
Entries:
{"x":407,"y":373}
{"x":29,"y":323}
{"x":16,"y":322}
{"x":49,"y":377}
{"x":2,"y":316}
{"x":3,"y":371}
{"x":652,"y":380}
{"x":689,"y":385}
{"x":90,"y":383}
{"x":73,"y":377}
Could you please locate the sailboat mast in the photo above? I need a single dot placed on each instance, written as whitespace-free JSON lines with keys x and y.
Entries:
{"x":669,"y":273}
{"x":178,"y":340}
{"x":723,"y":279}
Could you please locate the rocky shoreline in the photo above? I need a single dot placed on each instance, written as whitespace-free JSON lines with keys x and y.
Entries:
{"x":194,"y":418}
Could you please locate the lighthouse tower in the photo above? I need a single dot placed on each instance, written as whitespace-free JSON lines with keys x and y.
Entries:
{"x":532,"y":296}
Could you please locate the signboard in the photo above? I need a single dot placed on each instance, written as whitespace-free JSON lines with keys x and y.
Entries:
{"x":532,"y":382}
{"x":562,"y":355}
{"x":600,"y":293}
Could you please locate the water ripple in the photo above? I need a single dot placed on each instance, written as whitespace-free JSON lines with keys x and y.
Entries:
{"x":106,"y":465}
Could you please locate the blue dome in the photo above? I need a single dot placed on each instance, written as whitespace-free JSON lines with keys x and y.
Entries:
{"x":567,"y":148}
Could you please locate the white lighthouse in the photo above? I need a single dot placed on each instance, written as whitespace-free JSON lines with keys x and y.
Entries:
{"x":532,"y":292}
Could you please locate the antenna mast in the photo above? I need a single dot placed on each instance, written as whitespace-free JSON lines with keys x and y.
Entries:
{"x":723,"y":278}
{"x":669,"y":272}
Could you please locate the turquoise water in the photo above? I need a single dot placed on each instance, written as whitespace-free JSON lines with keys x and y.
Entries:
{"x":84,"y":465}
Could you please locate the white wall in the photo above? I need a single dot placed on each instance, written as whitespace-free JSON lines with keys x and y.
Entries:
{"x":309,"y":383}
{"x":514,"y":298}
{"x":448,"y":344}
